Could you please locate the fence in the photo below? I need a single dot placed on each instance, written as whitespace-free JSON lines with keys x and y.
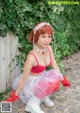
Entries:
{"x":8,"y":67}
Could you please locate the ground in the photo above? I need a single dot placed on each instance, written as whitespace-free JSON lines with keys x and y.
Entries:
{"x":67,"y":100}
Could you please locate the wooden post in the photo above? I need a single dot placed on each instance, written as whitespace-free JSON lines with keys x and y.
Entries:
{"x":8,"y":68}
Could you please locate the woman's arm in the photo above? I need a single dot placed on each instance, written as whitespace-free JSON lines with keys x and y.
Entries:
{"x":64,"y":81}
{"x":26,"y":72}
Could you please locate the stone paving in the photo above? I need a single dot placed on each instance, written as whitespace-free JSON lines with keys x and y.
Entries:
{"x":67,"y":100}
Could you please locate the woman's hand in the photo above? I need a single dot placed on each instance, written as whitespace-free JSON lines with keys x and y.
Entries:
{"x":65,"y":82}
{"x":13,"y":97}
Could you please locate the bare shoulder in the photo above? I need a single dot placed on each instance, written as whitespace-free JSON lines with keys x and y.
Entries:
{"x":30,"y":57}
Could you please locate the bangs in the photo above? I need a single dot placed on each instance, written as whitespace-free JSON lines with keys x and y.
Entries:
{"x":45,"y":29}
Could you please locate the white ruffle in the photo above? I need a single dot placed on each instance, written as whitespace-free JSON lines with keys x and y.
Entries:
{"x":33,"y":81}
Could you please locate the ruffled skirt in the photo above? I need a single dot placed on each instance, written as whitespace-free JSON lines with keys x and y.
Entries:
{"x":40,"y":86}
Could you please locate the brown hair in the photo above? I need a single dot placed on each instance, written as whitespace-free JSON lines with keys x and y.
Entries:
{"x":44,"y":29}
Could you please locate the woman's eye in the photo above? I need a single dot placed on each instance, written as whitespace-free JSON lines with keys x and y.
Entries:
{"x":46,"y":36}
{"x":43,"y":36}
{"x":49,"y":36}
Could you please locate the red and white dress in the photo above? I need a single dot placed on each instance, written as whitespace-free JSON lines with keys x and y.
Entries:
{"x":40,"y":86}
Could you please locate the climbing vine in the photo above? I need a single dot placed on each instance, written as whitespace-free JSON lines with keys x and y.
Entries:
{"x":20,"y":16}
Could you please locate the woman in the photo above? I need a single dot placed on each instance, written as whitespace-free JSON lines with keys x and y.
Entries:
{"x":36,"y":83}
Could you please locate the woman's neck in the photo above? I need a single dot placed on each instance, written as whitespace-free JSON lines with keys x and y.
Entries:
{"x":40,"y":49}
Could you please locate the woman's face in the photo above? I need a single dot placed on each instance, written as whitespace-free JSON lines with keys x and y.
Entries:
{"x":44,"y":40}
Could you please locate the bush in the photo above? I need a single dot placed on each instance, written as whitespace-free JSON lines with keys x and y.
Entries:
{"x":20,"y":16}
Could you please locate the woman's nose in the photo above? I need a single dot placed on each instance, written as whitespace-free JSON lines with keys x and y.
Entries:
{"x":46,"y":40}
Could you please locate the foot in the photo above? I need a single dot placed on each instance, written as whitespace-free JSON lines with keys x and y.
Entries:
{"x":33,"y":106}
{"x":48,"y":102}
{"x":33,"y":109}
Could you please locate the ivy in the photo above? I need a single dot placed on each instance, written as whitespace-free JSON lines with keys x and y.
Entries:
{"x":20,"y":16}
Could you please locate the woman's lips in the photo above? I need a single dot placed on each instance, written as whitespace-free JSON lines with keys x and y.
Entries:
{"x":45,"y":44}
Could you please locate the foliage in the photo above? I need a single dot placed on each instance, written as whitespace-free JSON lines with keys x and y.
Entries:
{"x":20,"y":16}
{"x":3,"y":95}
